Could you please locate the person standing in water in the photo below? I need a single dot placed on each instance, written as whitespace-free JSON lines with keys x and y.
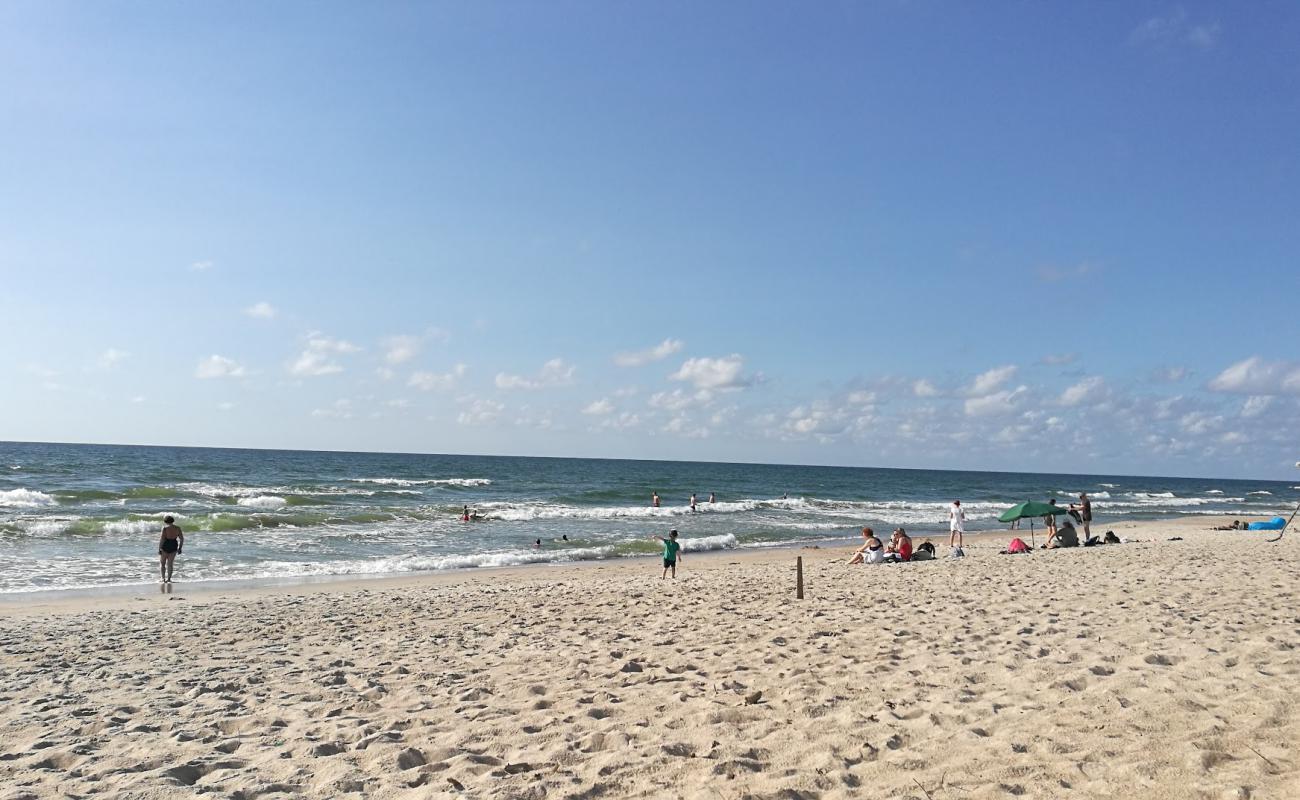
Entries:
{"x":693,"y":501}
{"x":170,"y":545}
{"x":654,"y":499}
{"x":711,"y":497}
{"x":956,"y":524}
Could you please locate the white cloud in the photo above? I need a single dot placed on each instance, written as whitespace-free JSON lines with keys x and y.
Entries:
{"x":640,"y":358}
{"x":1171,"y":374}
{"x":202,"y":266}
{"x":713,"y":373}
{"x":261,"y":310}
{"x":1003,"y":402}
{"x":341,"y":409}
{"x":111,"y":358}
{"x":1175,"y":29}
{"x":225,"y":405}
{"x":1087,"y":390}
{"x":1060,"y":359}
{"x":1255,"y":405}
{"x":215,"y":366}
{"x":676,"y":400}
{"x":1259,"y":377}
{"x":138,"y":399}
{"x":990,"y":381}
{"x":599,"y":408}
{"x":400,"y":349}
{"x":429,"y":381}
{"x":924,"y":388}
{"x":555,"y":372}
{"x":621,"y":421}
{"x":318,"y":357}
{"x":480,"y":412}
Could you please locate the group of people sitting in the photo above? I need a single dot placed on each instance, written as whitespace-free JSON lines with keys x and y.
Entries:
{"x":1064,"y":535}
{"x":899,"y":549}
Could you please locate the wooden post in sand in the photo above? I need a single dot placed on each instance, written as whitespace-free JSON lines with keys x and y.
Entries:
{"x":798,"y":578}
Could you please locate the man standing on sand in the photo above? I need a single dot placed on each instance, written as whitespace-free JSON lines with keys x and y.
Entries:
{"x":956,"y":524}
{"x":1085,"y":514}
{"x":671,"y":549}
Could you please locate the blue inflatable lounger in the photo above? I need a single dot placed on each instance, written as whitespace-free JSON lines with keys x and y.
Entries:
{"x":1274,"y":524}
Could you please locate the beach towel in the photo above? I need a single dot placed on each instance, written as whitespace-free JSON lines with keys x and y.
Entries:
{"x":1275,"y":524}
{"x":1017,"y":546}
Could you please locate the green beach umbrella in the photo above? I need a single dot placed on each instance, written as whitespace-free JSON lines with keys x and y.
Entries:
{"x":1030,"y":509}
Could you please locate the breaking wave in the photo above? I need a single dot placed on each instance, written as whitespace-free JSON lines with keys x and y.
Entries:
{"x":25,"y":498}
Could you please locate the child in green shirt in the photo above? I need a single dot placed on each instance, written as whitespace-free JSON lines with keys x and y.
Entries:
{"x":671,"y":548}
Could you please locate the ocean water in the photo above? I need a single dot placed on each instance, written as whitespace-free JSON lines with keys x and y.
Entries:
{"x":81,"y":516}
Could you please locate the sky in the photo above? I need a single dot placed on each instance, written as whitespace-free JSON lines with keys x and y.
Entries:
{"x":1005,"y":235}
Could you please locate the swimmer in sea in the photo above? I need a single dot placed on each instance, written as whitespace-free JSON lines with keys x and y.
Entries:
{"x":170,"y":545}
{"x":464,"y":514}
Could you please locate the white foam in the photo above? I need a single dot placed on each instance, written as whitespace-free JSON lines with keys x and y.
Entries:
{"x":263,"y":502}
{"x":428,"y":482}
{"x":1214,"y":491}
{"x":1260,"y":492}
{"x":725,"y":541}
{"x":47,"y":527}
{"x":131,"y":527}
{"x":25,"y":498}
{"x":1109,"y":485}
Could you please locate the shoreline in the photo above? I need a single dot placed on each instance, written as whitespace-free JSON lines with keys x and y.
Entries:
{"x":122,"y":595}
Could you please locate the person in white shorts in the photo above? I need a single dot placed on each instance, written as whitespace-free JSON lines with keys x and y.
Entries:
{"x":956,"y":524}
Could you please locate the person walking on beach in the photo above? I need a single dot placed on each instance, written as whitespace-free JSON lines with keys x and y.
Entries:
{"x":956,"y":524}
{"x":1049,"y":520}
{"x":693,"y":501}
{"x":654,"y":499}
{"x":671,"y":549}
{"x":170,"y":545}
{"x":1085,"y":514}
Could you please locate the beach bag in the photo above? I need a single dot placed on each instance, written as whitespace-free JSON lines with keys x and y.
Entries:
{"x":1017,"y":546}
{"x":956,"y":552}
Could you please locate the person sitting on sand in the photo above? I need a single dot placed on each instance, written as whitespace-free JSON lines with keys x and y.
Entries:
{"x":900,"y":547}
{"x":1237,"y":525}
{"x":871,"y":551}
{"x":924,"y":551}
{"x":1065,"y":536}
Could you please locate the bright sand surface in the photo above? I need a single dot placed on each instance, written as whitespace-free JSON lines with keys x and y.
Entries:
{"x":1154,"y":669}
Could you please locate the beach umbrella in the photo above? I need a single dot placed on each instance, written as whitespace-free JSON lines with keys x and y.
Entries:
{"x":1030,"y":509}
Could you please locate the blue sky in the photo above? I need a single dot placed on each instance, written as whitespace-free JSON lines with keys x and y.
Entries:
{"x":993,"y":236}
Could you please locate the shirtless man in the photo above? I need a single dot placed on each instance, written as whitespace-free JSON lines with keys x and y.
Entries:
{"x":170,"y":545}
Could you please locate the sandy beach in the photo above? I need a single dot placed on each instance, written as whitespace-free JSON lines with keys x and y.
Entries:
{"x":1155,"y":669}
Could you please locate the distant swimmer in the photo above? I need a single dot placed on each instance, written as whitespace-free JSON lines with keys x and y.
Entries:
{"x":711,"y":498}
{"x":693,"y":501}
{"x":464,"y":515}
{"x":474,"y":516}
{"x":654,"y":499}
{"x":537,"y":543}
{"x":170,"y":545}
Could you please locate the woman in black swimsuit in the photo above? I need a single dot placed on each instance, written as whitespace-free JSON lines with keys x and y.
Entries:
{"x":169,"y":546}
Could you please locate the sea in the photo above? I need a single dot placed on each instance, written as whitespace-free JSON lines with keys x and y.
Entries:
{"x":86,"y":516}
